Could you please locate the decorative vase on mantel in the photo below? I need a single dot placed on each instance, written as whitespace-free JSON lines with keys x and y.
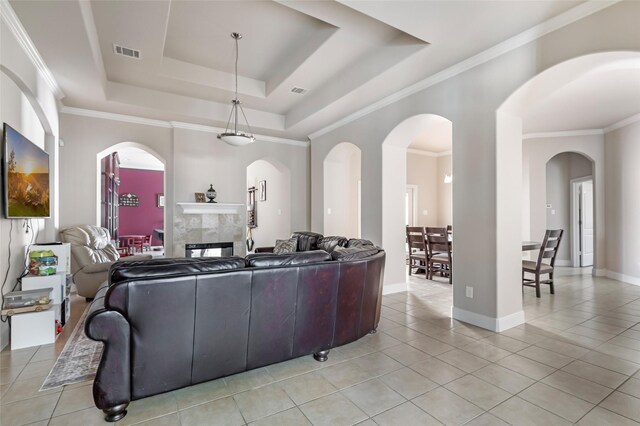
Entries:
{"x":211,"y":194}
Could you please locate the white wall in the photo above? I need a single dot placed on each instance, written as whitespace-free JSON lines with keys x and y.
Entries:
{"x":28,"y":105}
{"x":422,"y":171}
{"x":445,"y":192}
{"x":560,"y":170}
{"x":537,"y":152}
{"x":194,"y":159}
{"x":342,"y":174}
{"x":622,"y":155}
{"x":274,"y":214}
{"x":488,"y":260}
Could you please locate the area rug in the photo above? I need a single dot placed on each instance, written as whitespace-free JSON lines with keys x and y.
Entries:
{"x":78,"y":361}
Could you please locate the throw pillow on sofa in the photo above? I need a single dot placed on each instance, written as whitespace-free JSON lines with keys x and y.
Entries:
{"x":286,"y":246}
{"x":329,"y":244}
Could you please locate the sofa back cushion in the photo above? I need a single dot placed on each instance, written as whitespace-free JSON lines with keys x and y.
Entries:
{"x":307,"y":240}
{"x":358,"y":242}
{"x":299,"y":258}
{"x":142,"y":269}
{"x":328,"y":244}
{"x":354,"y":253}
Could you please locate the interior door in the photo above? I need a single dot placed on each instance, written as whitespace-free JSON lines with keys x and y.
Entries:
{"x":586,"y":223}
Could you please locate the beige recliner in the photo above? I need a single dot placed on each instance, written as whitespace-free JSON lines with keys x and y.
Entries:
{"x":92,"y":254}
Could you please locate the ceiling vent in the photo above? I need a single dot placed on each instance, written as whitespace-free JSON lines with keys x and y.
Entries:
{"x":299,"y":90}
{"x":126,"y":51}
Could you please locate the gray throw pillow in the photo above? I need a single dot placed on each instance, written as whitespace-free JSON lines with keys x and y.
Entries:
{"x":286,"y":246}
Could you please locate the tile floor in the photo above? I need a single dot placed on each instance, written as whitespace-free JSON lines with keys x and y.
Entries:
{"x":575,"y":361}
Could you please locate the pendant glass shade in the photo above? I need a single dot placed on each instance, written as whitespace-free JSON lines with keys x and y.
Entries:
{"x":233,"y":136}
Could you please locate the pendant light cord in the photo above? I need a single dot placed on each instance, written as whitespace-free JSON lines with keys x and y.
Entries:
{"x":236,"y":68}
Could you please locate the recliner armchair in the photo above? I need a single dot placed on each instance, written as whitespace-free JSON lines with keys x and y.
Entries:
{"x":92,"y":254}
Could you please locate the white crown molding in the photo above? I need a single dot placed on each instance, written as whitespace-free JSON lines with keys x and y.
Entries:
{"x":170,"y":124}
{"x":422,"y":152}
{"x":581,"y":11}
{"x":563,"y":134}
{"x":15,"y":26}
{"x":622,"y":123}
{"x":428,"y":153}
{"x":115,"y":117}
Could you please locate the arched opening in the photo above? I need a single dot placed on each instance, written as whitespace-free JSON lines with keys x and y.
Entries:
{"x":559,"y":110}
{"x":272,"y":182}
{"x":342,"y":191}
{"x":423,"y":130}
{"x":131,"y":197}
{"x":570,"y":206}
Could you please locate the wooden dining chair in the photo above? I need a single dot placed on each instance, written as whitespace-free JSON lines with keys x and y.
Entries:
{"x":146,"y":243}
{"x":439,"y":253}
{"x":548,"y":250}
{"x":417,"y":249}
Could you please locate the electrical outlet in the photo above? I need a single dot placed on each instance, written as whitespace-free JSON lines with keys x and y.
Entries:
{"x":470,"y":292}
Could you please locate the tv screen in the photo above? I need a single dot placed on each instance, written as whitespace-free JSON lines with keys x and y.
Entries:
{"x":26,"y":177}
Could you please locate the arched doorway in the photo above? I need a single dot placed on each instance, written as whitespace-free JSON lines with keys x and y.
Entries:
{"x":570,"y":206}
{"x":131,"y":195}
{"x":272,"y":182}
{"x":516,"y":222}
{"x":342,"y":191}
{"x":394,"y":185}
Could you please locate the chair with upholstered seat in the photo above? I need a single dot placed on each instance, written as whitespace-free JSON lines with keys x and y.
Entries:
{"x":548,"y":250}
{"x":92,"y":254}
{"x":417,"y":250}
{"x":439,"y":252}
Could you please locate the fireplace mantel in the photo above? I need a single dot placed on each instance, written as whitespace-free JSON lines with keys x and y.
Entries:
{"x":210,"y":208}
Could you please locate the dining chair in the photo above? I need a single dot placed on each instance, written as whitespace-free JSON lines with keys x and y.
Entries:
{"x":146,"y":243}
{"x":417,"y":249}
{"x":548,"y":250}
{"x":439,"y":253}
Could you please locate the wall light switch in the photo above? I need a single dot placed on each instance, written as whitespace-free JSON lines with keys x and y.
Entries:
{"x":425,"y":212}
{"x":470,"y":292}
{"x":329,"y":210}
{"x":279,"y":212}
{"x":553,"y":212}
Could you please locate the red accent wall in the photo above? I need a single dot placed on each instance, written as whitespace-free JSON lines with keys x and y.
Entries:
{"x":142,"y":220}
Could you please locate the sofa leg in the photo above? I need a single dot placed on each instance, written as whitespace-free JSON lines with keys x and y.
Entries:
{"x":374,"y":331}
{"x":89,"y":299}
{"x":113,"y":414}
{"x":321,"y":356}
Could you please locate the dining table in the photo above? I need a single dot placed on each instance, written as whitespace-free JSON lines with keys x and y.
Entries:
{"x":531,"y":245}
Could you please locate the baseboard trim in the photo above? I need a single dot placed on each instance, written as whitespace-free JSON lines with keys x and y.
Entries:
{"x":490,"y":323}
{"x":622,"y":277}
{"x":599,"y":272}
{"x":563,"y":263}
{"x":394,"y":288}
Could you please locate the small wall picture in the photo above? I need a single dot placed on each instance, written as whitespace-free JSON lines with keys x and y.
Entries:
{"x":200,"y":197}
{"x":160,"y":200}
{"x":262,"y":190}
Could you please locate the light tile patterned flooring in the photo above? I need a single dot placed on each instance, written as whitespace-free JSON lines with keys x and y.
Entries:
{"x":575,"y":361}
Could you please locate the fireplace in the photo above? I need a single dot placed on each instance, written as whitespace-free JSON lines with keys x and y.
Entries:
{"x":208,"y":249}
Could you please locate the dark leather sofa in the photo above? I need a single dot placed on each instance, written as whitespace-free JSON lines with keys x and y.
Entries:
{"x":172,"y":323}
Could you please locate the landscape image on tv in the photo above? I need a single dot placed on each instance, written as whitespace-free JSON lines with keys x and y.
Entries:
{"x":26,"y":176}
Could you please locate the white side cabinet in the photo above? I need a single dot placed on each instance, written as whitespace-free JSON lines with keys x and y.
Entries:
{"x":33,"y":329}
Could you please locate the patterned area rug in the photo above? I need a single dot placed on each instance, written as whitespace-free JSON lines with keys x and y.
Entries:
{"x":78,"y":361}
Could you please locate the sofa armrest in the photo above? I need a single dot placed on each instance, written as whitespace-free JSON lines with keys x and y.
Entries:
{"x":111,"y":387}
{"x":94,"y":268}
{"x":263,"y":250}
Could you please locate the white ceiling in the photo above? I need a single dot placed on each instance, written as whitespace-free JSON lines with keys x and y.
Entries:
{"x":348,"y":54}
{"x":436,"y":137}
{"x":136,"y":158}
{"x":596,"y":100}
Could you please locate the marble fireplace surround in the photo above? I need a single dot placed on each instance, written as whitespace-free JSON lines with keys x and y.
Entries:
{"x":199,"y":223}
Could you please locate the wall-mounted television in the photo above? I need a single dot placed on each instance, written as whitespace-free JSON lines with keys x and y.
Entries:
{"x":26,"y":177}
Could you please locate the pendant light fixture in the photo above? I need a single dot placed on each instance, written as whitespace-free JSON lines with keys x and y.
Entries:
{"x":235,"y":137}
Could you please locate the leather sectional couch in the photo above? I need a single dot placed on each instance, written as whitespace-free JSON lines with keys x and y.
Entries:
{"x":172,"y":323}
